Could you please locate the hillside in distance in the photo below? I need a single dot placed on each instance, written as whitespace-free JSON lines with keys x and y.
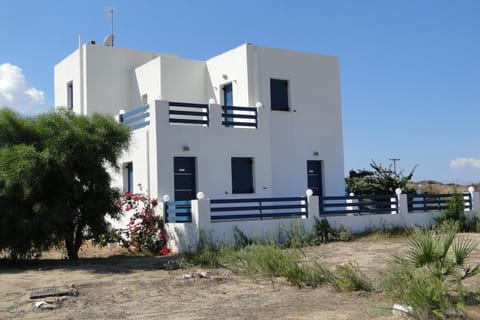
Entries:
{"x":435,"y":187}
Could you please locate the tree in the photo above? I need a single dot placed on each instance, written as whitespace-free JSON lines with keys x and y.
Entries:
{"x":379,"y":181}
{"x":54,"y":183}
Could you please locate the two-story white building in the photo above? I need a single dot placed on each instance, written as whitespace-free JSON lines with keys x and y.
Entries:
{"x":250,"y":122}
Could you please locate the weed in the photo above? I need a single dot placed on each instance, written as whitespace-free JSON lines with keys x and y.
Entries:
{"x":350,"y":278}
{"x":295,"y":236}
{"x":323,"y":231}
{"x":241,"y":240}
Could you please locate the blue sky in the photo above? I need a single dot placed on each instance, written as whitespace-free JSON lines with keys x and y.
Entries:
{"x":410,"y":70}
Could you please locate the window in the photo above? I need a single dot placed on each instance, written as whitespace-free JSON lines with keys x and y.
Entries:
{"x":128,"y":177}
{"x":279,"y":95}
{"x":144,"y":99}
{"x":242,"y":175}
{"x":70,"y":95}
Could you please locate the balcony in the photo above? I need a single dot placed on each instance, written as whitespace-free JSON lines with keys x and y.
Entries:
{"x":194,"y":114}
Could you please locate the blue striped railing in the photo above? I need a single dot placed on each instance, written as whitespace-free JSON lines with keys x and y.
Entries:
{"x":188,"y":113}
{"x":258,"y":208}
{"x":368,"y":204}
{"x":178,"y":211}
{"x":136,"y":118}
{"x":434,"y":202}
{"x":239,"y":116}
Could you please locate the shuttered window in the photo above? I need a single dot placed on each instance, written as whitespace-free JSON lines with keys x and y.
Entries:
{"x":242,"y":175}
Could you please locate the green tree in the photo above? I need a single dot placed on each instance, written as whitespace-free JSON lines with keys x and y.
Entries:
{"x":379,"y":181}
{"x":54,"y":182}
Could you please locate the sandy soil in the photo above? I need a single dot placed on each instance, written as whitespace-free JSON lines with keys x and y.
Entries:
{"x":113,"y":286}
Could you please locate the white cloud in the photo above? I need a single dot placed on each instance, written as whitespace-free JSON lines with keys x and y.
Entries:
{"x":17,"y":94}
{"x":465,"y":163}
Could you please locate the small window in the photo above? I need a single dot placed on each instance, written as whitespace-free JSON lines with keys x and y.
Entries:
{"x":145,"y":99}
{"x":128,"y":177}
{"x":279,"y":95}
{"x":70,"y":95}
{"x":242,"y":175}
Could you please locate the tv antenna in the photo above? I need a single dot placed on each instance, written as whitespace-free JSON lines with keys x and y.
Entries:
{"x":394,"y":164}
{"x":108,"y":41}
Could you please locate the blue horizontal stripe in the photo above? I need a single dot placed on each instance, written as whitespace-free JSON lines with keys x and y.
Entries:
{"x":135,"y":119}
{"x":140,"y":125}
{"x":135,"y":111}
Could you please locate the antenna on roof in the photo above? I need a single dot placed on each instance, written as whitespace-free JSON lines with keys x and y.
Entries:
{"x":108,"y":41}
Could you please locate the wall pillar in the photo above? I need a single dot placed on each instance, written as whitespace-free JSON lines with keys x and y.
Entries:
{"x":475,"y":199}
{"x":402,"y":202}
{"x":215,"y":114}
{"x":200,"y":219}
{"x":313,"y":211}
{"x":352,"y":204}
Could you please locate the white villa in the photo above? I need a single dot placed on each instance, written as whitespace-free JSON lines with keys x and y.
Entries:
{"x":250,"y":122}
{"x":234,"y":141}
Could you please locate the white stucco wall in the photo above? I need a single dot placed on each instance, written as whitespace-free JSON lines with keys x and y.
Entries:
{"x":313,"y":123}
{"x":69,"y":69}
{"x":230,"y":67}
{"x":213,"y":147}
{"x":109,"y":82}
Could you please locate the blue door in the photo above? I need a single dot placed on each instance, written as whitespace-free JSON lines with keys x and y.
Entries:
{"x":314,"y":177}
{"x":228,"y":101}
{"x":184,"y":178}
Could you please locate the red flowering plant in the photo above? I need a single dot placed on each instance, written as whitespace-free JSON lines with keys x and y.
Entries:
{"x":146,"y":231}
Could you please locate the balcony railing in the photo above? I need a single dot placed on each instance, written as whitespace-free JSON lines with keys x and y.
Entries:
{"x":136,"y":118}
{"x":188,"y":113}
{"x":194,"y":114}
{"x":239,"y":116}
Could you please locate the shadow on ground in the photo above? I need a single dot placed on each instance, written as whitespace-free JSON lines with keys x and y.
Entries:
{"x":121,"y":263}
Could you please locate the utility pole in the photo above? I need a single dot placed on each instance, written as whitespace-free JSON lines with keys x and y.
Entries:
{"x":394,"y":164}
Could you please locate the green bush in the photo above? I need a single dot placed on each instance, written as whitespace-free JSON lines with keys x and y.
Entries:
{"x":455,"y":211}
{"x":429,"y":277}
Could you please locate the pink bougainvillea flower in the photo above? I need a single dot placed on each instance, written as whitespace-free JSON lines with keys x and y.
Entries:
{"x":154,"y":202}
{"x":165,"y":251}
{"x":162,"y":234}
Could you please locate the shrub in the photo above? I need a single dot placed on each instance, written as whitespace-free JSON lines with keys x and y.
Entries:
{"x":429,"y":277}
{"x":146,"y":231}
{"x":324,"y":233}
{"x":455,"y":211}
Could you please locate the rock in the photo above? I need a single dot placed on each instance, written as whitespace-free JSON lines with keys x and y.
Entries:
{"x":399,"y":309}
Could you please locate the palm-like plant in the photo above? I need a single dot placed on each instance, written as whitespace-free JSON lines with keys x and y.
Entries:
{"x":429,"y":276}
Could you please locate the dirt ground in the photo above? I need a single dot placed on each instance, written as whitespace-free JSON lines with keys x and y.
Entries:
{"x":113,"y":286}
